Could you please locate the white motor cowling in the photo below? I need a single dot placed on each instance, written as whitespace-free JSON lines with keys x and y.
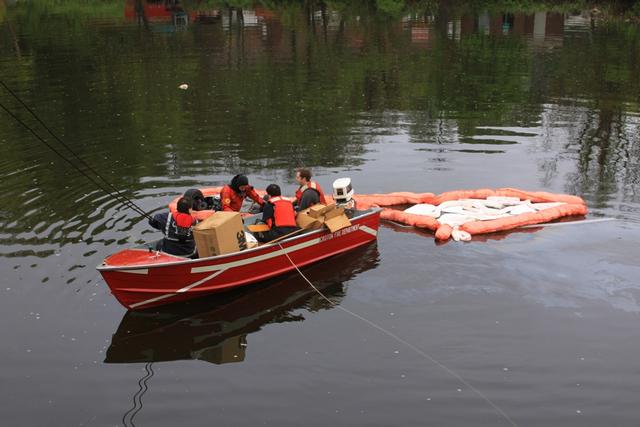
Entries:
{"x":343,"y":193}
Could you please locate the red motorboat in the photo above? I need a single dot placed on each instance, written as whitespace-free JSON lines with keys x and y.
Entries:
{"x":215,"y":328}
{"x":140,"y":277}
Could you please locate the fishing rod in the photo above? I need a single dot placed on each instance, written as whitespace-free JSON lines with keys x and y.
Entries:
{"x":121,"y":198}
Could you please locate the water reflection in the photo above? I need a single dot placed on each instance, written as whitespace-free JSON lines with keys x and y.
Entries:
{"x":274,"y":88}
{"x":215,"y":329}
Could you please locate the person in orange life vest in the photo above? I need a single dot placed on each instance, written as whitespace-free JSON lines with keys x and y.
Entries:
{"x":278,"y":213}
{"x":309,"y":193}
{"x":178,"y":230}
{"x":233,"y":195}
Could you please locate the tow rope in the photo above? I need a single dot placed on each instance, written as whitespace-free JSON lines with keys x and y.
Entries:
{"x":401,"y":341}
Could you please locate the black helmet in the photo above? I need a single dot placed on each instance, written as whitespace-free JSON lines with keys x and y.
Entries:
{"x":198,"y":199}
{"x":238,"y":181}
{"x":273,"y":190}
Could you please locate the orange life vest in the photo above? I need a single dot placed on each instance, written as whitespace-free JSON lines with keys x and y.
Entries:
{"x":314,"y":186}
{"x":283,"y":213}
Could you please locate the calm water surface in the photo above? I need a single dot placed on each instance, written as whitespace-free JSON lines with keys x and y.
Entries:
{"x":543,"y":322}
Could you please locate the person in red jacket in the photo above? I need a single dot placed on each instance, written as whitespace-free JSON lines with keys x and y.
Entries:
{"x":278,"y":214}
{"x":232,"y":196}
{"x":309,"y":193}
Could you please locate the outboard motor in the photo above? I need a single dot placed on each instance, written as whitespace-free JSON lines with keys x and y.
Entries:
{"x":343,"y":193}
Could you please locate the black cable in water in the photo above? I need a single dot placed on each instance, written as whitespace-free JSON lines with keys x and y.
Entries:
{"x":120,"y":198}
{"x":127,"y":418}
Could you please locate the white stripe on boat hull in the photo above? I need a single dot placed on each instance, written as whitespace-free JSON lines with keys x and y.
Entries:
{"x":258,"y":258}
{"x":139,"y":271}
{"x":369,"y":230}
{"x":179,"y":291}
{"x":149,"y":301}
{"x":200,"y":282}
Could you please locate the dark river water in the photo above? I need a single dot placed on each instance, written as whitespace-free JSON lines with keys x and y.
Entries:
{"x":542,"y":323}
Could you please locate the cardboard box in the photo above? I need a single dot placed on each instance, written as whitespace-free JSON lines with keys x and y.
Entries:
{"x":333,"y":213}
{"x":221,"y":233}
{"x":306,"y":221}
{"x":316,"y":211}
{"x":337,"y":222}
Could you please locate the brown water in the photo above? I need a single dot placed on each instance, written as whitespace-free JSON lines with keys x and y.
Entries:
{"x":543,"y":322}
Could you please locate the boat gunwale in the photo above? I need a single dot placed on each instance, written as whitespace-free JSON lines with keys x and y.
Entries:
{"x":103,"y":267}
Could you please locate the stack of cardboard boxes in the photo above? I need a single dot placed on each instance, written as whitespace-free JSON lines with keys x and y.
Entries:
{"x":318,"y":215}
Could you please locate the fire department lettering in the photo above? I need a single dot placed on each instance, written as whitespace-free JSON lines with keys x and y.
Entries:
{"x":339,"y":233}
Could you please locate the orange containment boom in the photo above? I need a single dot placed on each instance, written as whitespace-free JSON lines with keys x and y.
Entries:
{"x":563,"y":205}
{"x":570,"y":206}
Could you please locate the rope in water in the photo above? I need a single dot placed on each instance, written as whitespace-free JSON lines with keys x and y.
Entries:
{"x":557,"y":224}
{"x":400,"y":340}
{"x":121,"y":198}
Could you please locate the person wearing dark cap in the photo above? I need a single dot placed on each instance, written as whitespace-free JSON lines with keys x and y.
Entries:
{"x":278,"y":214}
{"x":233,"y":194}
{"x":178,"y":230}
{"x":199,"y":203}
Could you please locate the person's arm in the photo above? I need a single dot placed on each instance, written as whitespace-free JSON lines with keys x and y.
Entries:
{"x":268,"y":214}
{"x":309,"y":198}
{"x":159,"y":221}
{"x":225,"y":199}
{"x":251,"y":193}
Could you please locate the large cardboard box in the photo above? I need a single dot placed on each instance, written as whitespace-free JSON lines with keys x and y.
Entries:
{"x":306,"y":221}
{"x":318,"y":210}
{"x":333,"y":212}
{"x":337,"y":222}
{"x":221,"y":233}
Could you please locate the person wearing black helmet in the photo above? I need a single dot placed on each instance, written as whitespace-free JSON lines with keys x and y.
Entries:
{"x":199,"y":203}
{"x":177,"y":229}
{"x":233,"y":194}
